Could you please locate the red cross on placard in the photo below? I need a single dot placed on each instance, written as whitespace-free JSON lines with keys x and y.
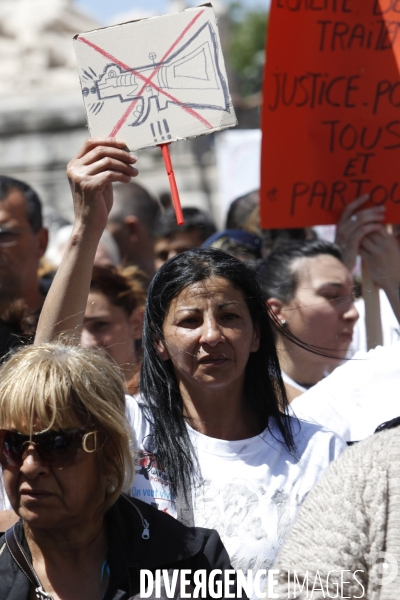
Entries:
{"x":148,"y":80}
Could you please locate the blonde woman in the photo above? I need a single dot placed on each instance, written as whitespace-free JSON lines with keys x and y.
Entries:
{"x":66,"y":457}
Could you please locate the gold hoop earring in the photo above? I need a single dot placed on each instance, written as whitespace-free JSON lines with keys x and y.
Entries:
{"x":84,"y":442}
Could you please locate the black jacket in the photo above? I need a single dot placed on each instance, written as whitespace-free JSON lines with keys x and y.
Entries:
{"x":170,"y":545}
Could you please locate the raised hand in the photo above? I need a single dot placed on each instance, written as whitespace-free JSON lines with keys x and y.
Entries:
{"x":91,"y":173}
{"x":354,"y":224}
{"x":381,"y":252}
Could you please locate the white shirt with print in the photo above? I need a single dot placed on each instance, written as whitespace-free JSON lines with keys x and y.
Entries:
{"x":251,"y":489}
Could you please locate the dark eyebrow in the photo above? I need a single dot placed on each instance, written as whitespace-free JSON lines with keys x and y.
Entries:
{"x":224,"y":304}
{"x":220,"y":306}
{"x":331,"y":284}
{"x":95,"y":318}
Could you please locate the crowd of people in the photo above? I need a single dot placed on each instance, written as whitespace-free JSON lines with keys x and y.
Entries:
{"x":172,"y":397}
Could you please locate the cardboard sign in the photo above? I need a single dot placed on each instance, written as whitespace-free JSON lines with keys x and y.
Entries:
{"x":331,"y":112}
{"x":155,"y":80}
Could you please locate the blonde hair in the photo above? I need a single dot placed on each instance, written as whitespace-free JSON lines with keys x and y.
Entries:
{"x":59,"y":384}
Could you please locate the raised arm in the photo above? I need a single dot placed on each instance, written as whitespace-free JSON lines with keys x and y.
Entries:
{"x":355,"y":223}
{"x":91,"y":173}
{"x":381,"y":252}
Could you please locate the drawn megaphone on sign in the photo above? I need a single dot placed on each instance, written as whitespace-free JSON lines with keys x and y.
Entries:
{"x":178,"y":80}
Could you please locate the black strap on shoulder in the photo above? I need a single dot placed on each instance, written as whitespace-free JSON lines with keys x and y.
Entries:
{"x":388,"y":425}
{"x":19,"y":556}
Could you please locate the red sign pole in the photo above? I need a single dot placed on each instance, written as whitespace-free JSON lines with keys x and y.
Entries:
{"x":172,"y":183}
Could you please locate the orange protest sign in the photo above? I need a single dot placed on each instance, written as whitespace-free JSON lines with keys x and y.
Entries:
{"x":331,"y":110}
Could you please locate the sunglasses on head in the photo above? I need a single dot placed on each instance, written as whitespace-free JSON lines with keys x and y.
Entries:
{"x":61,"y":448}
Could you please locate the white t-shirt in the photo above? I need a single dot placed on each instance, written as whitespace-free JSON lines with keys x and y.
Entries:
{"x":357,"y":397}
{"x":251,"y":489}
{"x":390,"y":325}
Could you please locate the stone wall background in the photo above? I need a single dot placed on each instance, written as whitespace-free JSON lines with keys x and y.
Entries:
{"x":42,"y":119}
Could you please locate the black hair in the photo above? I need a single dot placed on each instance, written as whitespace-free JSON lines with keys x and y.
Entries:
{"x":276,"y":275}
{"x":264,"y":393}
{"x":123,"y":288}
{"x":240,"y":210}
{"x":133,"y":199}
{"x":166,"y":225}
{"x":243,"y":213}
{"x":33,"y":203}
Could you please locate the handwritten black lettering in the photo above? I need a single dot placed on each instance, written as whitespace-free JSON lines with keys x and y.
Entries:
{"x":351,"y":167}
{"x":393,"y":128}
{"x":327,"y":195}
{"x":366,"y":156}
{"x":378,"y":195}
{"x":318,"y":190}
{"x":332,"y":137}
{"x":388,"y":90}
{"x":392,"y":193}
{"x":381,"y":7}
{"x":392,"y":29}
{"x":361,"y":123}
{"x":359,"y":162}
{"x":316,"y":5}
{"x":300,"y":188}
{"x":361,"y":186}
{"x":312,"y":89}
{"x":347,"y":136}
{"x":338,"y":189}
{"x":374,"y":139}
{"x":331,"y":86}
{"x":340,"y":35}
{"x":340,"y":30}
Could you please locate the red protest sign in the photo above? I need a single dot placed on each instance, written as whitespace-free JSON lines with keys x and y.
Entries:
{"x":331,"y":110}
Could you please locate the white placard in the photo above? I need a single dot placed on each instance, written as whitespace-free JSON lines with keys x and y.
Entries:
{"x":238,"y":160}
{"x":155,"y":80}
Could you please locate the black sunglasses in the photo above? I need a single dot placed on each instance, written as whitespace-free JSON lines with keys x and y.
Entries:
{"x":61,"y":448}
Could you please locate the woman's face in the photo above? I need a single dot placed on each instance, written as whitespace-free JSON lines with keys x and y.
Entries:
{"x":55,"y":498}
{"x":209,"y":334}
{"x":109,"y":327}
{"x":322,"y":312}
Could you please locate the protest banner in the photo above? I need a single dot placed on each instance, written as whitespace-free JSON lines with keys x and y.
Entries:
{"x":154,"y":81}
{"x":331,"y":110}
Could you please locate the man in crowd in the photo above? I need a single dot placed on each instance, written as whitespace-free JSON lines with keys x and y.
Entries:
{"x":23,"y":241}
{"x":131,"y":223}
{"x":172,"y":239}
{"x":241,"y":209}
{"x":244,"y":213}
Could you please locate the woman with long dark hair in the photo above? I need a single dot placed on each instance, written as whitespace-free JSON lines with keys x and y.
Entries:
{"x":254,"y":394}
{"x":311,"y":292}
{"x":217,"y":448}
